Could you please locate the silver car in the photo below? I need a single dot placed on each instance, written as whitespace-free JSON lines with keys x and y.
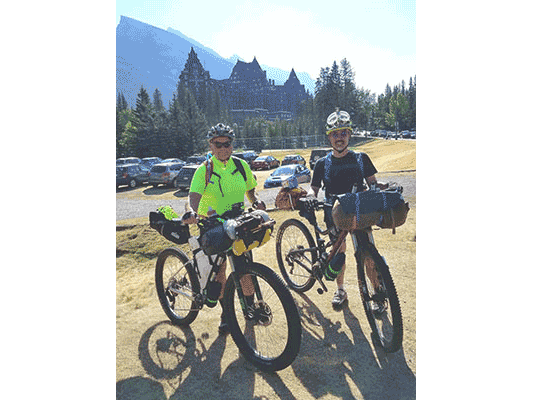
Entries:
{"x":165,"y":174}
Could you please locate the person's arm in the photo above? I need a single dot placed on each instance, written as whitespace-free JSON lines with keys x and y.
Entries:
{"x":192,"y":208}
{"x":194,"y":201}
{"x":318,"y":175}
{"x":371,"y":180}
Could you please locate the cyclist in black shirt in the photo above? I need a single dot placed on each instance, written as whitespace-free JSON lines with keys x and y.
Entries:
{"x":342,"y":171}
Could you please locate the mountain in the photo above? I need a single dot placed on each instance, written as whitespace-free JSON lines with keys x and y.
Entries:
{"x":155,"y":58}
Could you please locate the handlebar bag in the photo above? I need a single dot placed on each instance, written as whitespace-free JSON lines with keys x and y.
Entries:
{"x":249,"y":234}
{"x":361,"y":210}
{"x":171,"y":230}
{"x":214,"y":240}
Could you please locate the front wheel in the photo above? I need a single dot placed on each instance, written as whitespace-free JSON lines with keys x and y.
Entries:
{"x":380,"y":299}
{"x":296,"y":253}
{"x":177,"y":286}
{"x":269,"y":332}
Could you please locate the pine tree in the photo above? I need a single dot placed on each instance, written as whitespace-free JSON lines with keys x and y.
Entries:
{"x":158,"y":102}
{"x":144,"y":123}
{"x":193,"y":124}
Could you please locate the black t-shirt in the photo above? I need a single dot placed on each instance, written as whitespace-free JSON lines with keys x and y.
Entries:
{"x":345,"y":173}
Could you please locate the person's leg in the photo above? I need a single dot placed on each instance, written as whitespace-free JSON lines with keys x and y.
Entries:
{"x":340,"y":295}
{"x":221,"y":277}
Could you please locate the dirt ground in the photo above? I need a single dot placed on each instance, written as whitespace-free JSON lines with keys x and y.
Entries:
{"x":337,"y":359}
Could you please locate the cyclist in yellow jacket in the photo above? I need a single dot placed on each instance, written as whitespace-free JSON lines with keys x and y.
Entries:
{"x":224,"y":188}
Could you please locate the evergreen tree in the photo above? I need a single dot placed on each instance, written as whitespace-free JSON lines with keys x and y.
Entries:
{"x":158,"y":102}
{"x":193,"y":124}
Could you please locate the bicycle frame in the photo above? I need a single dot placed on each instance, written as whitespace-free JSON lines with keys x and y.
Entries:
{"x":358,"y":240}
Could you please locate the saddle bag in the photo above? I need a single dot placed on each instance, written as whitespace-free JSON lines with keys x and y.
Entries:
{"x":287,"y":198}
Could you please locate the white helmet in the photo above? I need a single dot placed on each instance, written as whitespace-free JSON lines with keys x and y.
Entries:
{"x":220,"y":130}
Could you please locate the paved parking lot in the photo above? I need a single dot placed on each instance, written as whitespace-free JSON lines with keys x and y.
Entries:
{"x":138,"y":202}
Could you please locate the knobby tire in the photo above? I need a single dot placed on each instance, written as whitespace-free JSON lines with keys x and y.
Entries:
{"x":297,"y":278}
{"x":173,"y":267}
{"x":270,"y":347}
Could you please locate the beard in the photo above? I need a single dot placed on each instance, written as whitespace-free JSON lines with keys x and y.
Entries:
{"x":340,"y":146}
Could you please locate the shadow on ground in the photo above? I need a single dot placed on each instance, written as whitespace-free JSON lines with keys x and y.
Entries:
{"x":333,"y":360}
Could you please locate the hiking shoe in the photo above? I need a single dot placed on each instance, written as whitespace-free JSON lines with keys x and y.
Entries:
{"x":223,"y":328}
{"x":339,"y":298}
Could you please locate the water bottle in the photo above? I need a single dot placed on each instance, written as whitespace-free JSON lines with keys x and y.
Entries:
{"x":202,"y":259}
{"x":334,"y":268}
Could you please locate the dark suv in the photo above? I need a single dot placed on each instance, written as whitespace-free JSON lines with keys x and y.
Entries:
{"x":132,"y":175}
{"x":195,"y":160}
{"x":184,"y":178}
{"x":317,"y":155}
{"x":247,"y":156}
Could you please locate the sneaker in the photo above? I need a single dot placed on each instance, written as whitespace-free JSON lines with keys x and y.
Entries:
{"x":339,"y":297}
{"x":223,"y":328}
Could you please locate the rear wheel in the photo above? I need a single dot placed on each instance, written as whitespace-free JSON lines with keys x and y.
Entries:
{"x":269,"y":333}
{"x":296,"y":253}
{"x":380,"y":299}
{"x":132,"y":183}
{"x":177,"y":286}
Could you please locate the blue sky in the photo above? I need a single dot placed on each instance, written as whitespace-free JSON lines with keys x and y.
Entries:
{"x":378,"y":37}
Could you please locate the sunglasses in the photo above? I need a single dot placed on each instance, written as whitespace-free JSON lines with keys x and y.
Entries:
{"x":219,"y":145}
{"x":338,"y":134}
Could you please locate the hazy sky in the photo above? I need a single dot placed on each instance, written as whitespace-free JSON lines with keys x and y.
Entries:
{"x":377,"y":37}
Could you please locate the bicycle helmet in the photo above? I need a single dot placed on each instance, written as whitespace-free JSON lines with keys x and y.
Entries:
{"x":220,"y":130}
{"x":338,"y":120}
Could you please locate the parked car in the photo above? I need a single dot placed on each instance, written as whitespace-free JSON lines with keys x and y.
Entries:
{"x":264,"y":162}
{"x":413,"y":135}
{"x":165,"y":174}
{"x":316,"y":155}
{"x":301,"y":173}
{"x":195,"y":160}
{"x":184,"y":178}
{"x":293,"y":159}
{"x":151,"y":161}
{"x":132,"y":175}
{"x":128,"y":160}
{"x":248,"y":156}
{"x":171,"y":160}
